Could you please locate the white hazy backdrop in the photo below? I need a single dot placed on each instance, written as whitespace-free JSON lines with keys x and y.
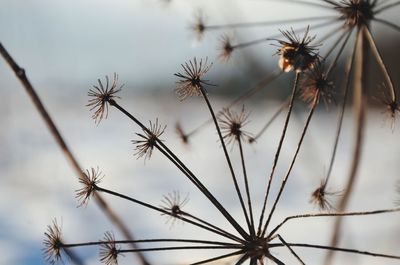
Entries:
{"x":66,"y":45}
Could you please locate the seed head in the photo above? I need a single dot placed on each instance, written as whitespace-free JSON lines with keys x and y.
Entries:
{"x":191,"y":81}
{"x":296,"y":53}
{"x":320,"y":197}
{"x":199,"y":26}
{"x":356,"y":12}
{"x":145,"y":147}
{"x":173,"y":204}
{"x":226,"y":48}
{"x":101,"y":96}
{"x":232,"y":125}
{"x":108,"y":250}
{"x":53,"y":245}
{"x":89,"y":180}
{"x":315,"y":82}
{"x":392,"y":106}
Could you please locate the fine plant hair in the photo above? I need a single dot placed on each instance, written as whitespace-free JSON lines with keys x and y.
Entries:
{"x":297,"y":51}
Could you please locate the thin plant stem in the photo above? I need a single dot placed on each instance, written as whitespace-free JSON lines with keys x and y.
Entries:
{"x":381,"y":64}
{"x":157,"y":240}
{"x":161,"y":210}
{"x":290,"y":249}
{"x":22,"y":77}
{"x":388,"y":23}
{"x":266,"y":23}
{"x":228,"y":160}
{"x":246,"y":182}
{"x":176,"y":248}
{"x":313,"y":215}
{"x":174,"y":159}
{"x":348,"y":72}
{"x":330,"y":34}
{"x":233,"y":237}
{"x":359,"y":102}
{"x":383,"y":8}
{"x":346,"y":38}
{"x":278,"y":151}
{"x":284,"y":181}
{"x":204,"y":190}
{"x":348,"y":250}
{"x":250,"y":43}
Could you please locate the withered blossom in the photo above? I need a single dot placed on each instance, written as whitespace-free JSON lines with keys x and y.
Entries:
{"x":101,"y":96}
{"x":145,"y":147}
{"x":297,"y":54}
{"x":232,"y":124}
{"x":191,"y":79}
{"x":89,"y":180}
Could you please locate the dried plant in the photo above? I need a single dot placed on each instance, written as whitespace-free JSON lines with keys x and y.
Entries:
{"x":253,"y":243}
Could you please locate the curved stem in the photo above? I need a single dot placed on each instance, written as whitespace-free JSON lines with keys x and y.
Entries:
{"x":379,"y":60}
{"x":312,"y":215}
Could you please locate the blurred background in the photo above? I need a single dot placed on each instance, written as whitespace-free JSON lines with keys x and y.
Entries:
{"x":66,"y":45}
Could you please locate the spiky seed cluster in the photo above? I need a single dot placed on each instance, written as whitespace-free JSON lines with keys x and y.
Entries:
{"x":315,"y":82}
{"x":232,"y":124}
{"x":191,"y":80}
{"x":173,"y":203}
{"x":89,"y":180}
{"x":297,"y":54}
{"x":145,"y":147}
{"x":320,"y":197}
{"x":102,"y":95}
{"x":226,"y":48}
{"x":356,"y":12}
{"x":108,"y":250}
{"x":53,"y":245}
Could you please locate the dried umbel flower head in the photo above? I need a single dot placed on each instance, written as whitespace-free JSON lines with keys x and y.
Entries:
{"x":102,"y":95}
{"x":145,"y":147}
{"x":297,"y":53}
{"x":108,"y":250}
{"x":191,"y":80}
{"x":320,"y":197}
{"x":199,"y":26}
{"x":53,"y":245}
{"x":232,"y":125}
{"x":226,"y":48}
{"x":89,"y":180}
{"x":173,"y":203}
{"x":356,"y":12}
{"x":391,"y":104}
{"x":316,"y":83}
